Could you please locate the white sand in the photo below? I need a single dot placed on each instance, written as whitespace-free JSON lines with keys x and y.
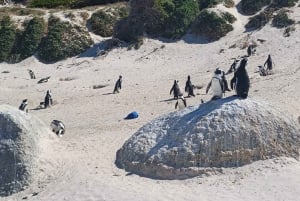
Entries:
{"x":82,"y":166}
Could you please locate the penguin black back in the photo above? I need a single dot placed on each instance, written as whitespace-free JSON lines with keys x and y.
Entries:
{"x":241,"y":81}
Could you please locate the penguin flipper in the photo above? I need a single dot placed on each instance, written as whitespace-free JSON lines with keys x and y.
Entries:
{"x":176,"y":104}
{"x":208,"y":86}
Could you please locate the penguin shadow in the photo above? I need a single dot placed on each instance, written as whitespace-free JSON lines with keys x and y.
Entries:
{"x":108,"y":94}
{"x":168,"y":100}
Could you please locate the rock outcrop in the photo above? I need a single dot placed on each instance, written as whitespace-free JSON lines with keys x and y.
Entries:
{"x":20,"y":146}
{"x":229,"y":132}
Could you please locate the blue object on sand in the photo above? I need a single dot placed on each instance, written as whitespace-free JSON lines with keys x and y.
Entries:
{"x":132,"y":115}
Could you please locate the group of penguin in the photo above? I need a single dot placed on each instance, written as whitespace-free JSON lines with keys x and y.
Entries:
{"x":218,"y":83}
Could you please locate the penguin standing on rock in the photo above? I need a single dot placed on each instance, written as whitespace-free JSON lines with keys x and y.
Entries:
{"x":240,"y":81}
{"x":216,"y":84}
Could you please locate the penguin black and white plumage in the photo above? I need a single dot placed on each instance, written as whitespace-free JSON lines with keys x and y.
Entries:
{"x":240,"y":81}
{"x":216,"y":85}
{"x":31,"y":73}
{"x":48,"y":99}
{"x":23,"y":105}
{"x":269,"y":63}
{"x":118,"y":85}
{"x":176,"y":90}
{"x":233,"y":66}
{"x":189,"y":87}
{"x":58,"y":127}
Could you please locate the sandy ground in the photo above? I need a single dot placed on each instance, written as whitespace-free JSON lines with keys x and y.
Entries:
{"x":80,"y":165}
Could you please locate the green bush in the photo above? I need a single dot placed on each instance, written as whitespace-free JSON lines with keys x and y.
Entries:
{"x":251,"y":7}
{"x":128,"y":30}
{"x":63,"y":40}
{"x":284,"y":3}
{"x":51,"y":3}
{"x":167,"y":18}
{"x":83,"y":3}
{"x":259,"y":20}
{"x":102,"y":23}
{"x":210,"y":25}
{"x":31,"y":38}
{"x":7,"y":37}
{"x":181,"y":18}
{"x":282,"y":20}
{"x":228,"y":17}
{"x":203,"y":4}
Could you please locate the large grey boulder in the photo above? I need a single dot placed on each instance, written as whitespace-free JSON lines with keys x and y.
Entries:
{"x":229,"y":132}
{"x":20,"y":146}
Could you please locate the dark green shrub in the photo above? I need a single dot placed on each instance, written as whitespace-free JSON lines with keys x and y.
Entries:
{"x":284,"y":3}
{"x":282,"y":20}
{"x":260,"y":20}
{"x":7,"y":38}
{"x":102,"y":23}
{"x":63,"y":40}
{"x":251,"y":7}
{"x":31,"y":38}
{"x":168,"y":18}
{"x":83,"y":3}
{"x":228,"y":17}
{"x":128,"y":30}
{"x":210,"y":25}
{"x":181,"y":18}
{"x":203,"y":4}
{"x":51,"y":3}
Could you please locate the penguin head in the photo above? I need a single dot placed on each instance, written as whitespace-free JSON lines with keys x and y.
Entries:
{"x":189,"y":77}
{"x":218,"y":71}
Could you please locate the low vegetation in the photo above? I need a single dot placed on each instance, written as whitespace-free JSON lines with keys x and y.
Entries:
{"x":282,"y":20}
{"x":250,"y":7}
{"x":211,"y":25}
{"x":284,"y":3}
{"x":102,"y":22}
{"x":63,"y":40}
{"x":259,"y":20}
{"x":30,"y":39}
{"x":7,"y":38}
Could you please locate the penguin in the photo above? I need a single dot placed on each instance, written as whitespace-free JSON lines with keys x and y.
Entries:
{"x":216,"y":84}
{"x":58,"y":127}
{"x":240,"y":81}
{"x":269,"y":63}
{"x":118,"y":85}
{"x":176,"y":90}
{"x":234,"y":65}
{"x":48,"y":99}
{"x":23,"y":105}
{"x":31,"y":73}
{"x":249,"y":50}
{"x":189,"y":87}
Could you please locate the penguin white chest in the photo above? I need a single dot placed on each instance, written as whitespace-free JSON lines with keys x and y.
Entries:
{"x":216,"y":87}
